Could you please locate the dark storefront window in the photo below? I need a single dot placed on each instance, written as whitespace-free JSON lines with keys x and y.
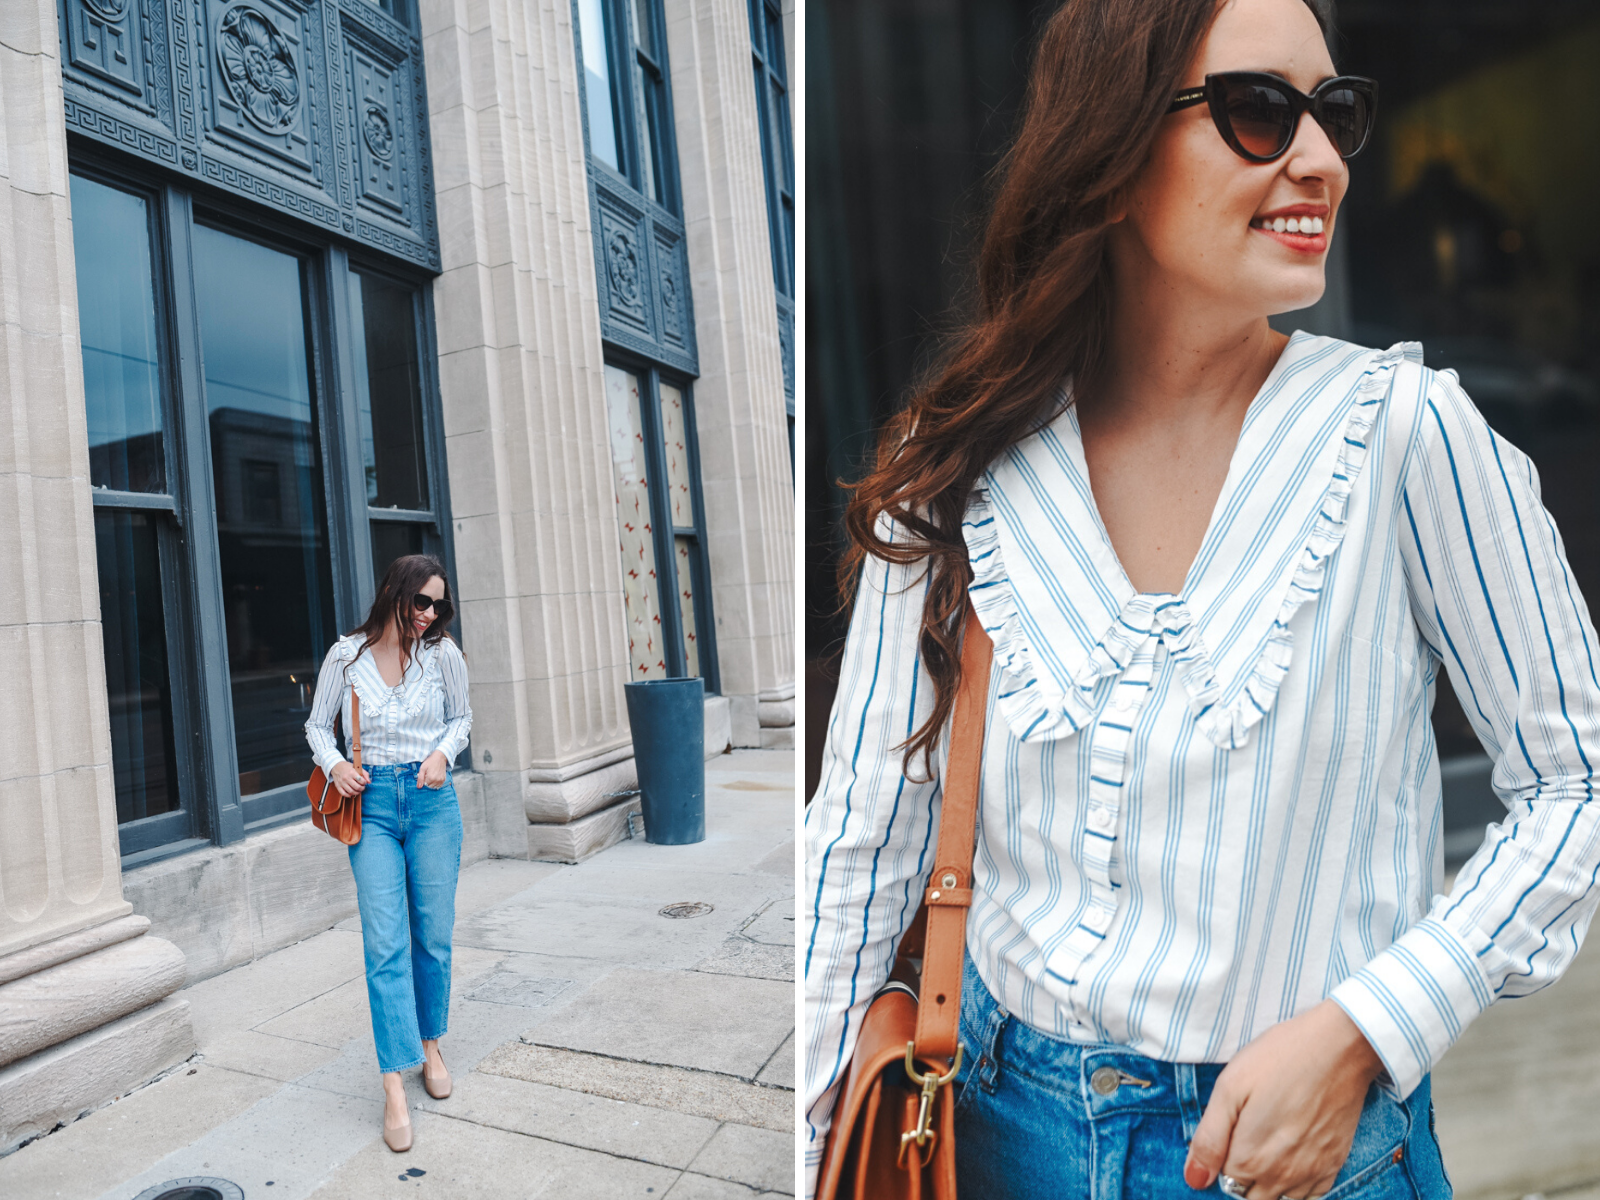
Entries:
{"x":125,"y":399}
{"x":138,"y":692}
{"x":117,"y":322}
{"x":272,"y":539}
{"x":221,"y":498}
{"x":394,"y":439}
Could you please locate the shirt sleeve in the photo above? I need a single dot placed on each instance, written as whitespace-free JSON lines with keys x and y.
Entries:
{"x":325,"y":707}
{"x":1492,"y":593}
{"x":868,"y":832}
{"x":457,"y":710}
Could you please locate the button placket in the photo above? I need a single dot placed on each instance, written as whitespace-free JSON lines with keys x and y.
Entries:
{"x":1111,"y":734}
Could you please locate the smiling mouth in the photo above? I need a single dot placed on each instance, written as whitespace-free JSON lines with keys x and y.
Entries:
{"x":1304,"y":226}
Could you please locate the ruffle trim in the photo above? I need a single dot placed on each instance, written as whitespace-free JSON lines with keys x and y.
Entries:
{"x":416,"y":693}
{"x":1030,"y":701}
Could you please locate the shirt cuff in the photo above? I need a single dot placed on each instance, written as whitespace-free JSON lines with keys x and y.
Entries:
{"x":328,"y":760}
{"x":1414,"y":1000}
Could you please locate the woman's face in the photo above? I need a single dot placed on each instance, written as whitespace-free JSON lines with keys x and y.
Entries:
{"x":1194,"y":214}
{"x":421,"y":618}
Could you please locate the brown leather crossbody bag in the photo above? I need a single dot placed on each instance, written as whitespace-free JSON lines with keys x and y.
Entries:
{"x":893,"y":1132}
{"x":336,"y":815}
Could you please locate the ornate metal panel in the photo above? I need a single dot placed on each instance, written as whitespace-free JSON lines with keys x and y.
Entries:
{"x":315,"y":108}
{"x":643,"y":269}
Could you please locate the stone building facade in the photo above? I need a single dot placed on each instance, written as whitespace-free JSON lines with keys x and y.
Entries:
{"x":440,"y":168}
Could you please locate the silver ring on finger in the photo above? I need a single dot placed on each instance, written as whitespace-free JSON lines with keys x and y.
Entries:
{"x":1229,"y":1186}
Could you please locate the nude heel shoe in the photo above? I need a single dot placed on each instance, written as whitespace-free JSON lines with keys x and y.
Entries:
{"x":398,"y":1138}
{"x":437,"y":1086}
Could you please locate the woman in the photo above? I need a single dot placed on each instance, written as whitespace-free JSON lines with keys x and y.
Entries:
{"x":1221,"y":569}
{"x":412,"y":682}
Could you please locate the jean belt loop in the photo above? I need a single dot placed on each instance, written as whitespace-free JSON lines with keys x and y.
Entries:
{"x":1188,"y":1098}
{"x":989,"y":1063}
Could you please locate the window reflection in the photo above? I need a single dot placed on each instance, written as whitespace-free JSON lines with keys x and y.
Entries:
{"x":271,"y":522}
{"x":137,"y":686}
{"x":392,"y":540}
{"x":117,"y":326}
{"x":604,"y":133}
{"x":389,"y":384}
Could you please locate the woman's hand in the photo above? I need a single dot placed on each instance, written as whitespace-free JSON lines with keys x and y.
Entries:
{"x":433,"y":770}
{"x":1285,"y":1110}
{"x":349,"y":780}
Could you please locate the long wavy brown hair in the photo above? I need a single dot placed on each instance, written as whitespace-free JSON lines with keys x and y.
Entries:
{"x":405,"y":578}
{"x":1103,"y":74}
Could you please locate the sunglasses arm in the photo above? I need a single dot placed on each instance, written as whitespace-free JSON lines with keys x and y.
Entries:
{"x":1187,"y":99}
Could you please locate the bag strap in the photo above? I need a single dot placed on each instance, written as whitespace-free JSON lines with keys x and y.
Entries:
{"x":355,"y":725}
{"x":949,"y":893}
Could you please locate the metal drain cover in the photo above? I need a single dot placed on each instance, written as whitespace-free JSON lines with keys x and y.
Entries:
{"x":196,"y":1187}
{"x":689,"y":908}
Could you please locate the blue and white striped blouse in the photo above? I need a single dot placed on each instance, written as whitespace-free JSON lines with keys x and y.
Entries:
{"x":426,"y":711}
{"x":1203,"y":813}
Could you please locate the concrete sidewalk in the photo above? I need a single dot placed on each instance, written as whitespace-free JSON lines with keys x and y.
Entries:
{"x":600,"y":1047}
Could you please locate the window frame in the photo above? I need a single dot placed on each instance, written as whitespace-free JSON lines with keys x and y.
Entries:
{"x":211,"y":810}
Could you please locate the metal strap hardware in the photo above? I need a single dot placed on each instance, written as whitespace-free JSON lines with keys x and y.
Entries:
{"x":930,"y":1083}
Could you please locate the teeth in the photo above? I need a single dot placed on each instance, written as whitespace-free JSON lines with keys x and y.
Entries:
{"x":1307,"y":226}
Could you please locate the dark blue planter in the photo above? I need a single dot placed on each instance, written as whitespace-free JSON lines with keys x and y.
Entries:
{"x":668,"y":717}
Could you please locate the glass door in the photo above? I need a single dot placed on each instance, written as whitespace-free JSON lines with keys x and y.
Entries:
{"x":272,"y":535}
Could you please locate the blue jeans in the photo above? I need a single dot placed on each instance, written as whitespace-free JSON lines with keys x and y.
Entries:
{"x":1030,"y":1122}
{"x":405,"y":866}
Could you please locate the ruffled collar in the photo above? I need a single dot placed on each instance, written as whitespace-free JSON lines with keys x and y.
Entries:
{"x":367,"y":680}
{"x":1063,"y":614}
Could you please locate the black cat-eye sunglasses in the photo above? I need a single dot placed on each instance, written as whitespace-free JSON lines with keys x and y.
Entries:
{"x":1257,"y":113}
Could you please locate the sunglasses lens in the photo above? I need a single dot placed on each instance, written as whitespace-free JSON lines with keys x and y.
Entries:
{"x":1261,"y":118}
{"x":1346,"y":116}
{"x":423,"y":602}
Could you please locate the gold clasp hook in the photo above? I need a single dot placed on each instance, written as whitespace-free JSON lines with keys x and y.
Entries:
{"x":923,"y":1135}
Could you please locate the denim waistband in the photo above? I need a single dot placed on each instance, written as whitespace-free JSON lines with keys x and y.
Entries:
{"x":1104,"y":1079}
{"x":384,"y":770}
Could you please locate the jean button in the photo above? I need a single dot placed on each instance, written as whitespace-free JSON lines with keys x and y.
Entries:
{"x":1105,"y":1081}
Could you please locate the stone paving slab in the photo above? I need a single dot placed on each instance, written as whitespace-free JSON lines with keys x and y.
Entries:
{"x":757,"y":1158}
{"x":623,"y":924}
{"x":574,"y":1118}
{"x":271,"y":1057}
{"x":296,"y":1137}
{"x":462,"y":1159}
{"x":721,"y":1023}
{"x":780,"y":1070}
{"x":246,"y":996}
{"x":739,"y":956}
{"x":92,"y":1155}
{"x":702,"y":1093}
{"x":702,"y":1187}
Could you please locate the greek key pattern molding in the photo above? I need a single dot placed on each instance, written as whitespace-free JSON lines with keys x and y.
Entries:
{"x":315,"y":108}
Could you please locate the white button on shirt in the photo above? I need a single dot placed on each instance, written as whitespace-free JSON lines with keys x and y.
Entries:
{"x":1260,"y":829}
{"x":427,"y":711}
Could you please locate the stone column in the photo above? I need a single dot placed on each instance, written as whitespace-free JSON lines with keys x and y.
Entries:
{"x":739,"y":398}
{"x":84,"y":1007}
{"x":521,"y":375}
